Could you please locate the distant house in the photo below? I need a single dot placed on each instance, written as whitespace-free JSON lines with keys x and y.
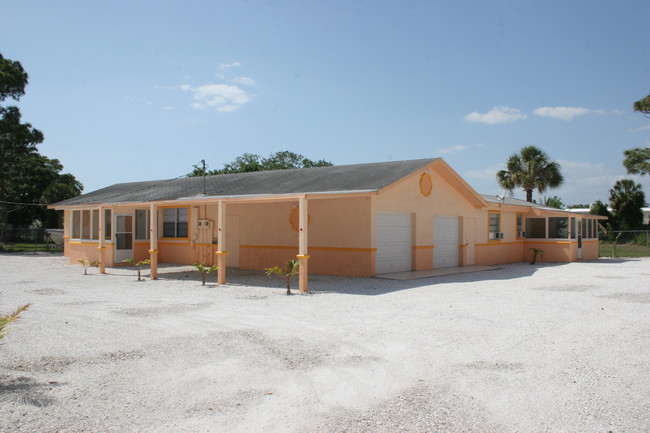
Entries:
{"x":586,"y":211}
{"x":358,"y":220}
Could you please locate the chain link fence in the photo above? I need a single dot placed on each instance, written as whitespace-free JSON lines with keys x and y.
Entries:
{"x":28,"y":240}
{"x":626,"y":243}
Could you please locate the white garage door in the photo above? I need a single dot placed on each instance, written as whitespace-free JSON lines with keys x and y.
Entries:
{"x":445,"y":241}
{"x":393,"y":239}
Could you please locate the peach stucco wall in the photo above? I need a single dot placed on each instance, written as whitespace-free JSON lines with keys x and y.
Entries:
{"x":341,"y":230}
{"x":338,"y":235}
{"x":444,"y":200}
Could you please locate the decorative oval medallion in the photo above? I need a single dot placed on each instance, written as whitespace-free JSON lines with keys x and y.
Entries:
{"x":426,"y":186}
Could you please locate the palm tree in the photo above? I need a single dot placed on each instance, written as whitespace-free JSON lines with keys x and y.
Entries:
{"x":288,"y":273}
{"x":627,"y":199}
{"x":531,"y":169}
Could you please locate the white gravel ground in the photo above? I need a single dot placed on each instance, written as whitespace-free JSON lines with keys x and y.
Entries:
{"x":547,"y":348}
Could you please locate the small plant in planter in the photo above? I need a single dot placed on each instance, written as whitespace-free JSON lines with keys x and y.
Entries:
{"x":536,"y":252}
{"x":288,"y":273}
{"x":138,"y":265}
{"x":87,"y":264}
{"x":204,"y":270}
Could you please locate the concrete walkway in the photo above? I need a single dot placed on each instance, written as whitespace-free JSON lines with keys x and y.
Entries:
{"x":414,"y":275}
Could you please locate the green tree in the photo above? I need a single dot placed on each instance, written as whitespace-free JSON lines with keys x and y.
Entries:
{"x":554,"y":202}
{"x":13,"y":79}
{"x":249,"y":162}
{"x":627,"y":199}
{"x":637,"y":161}
{"x":643,"y":105}
{"x":531,"y":169}
{"x":285,"y":159}
{"x":600,"y":208}
{"x":35,"y":182}
{"x":28,"y":180}
{"x":245,"y":163}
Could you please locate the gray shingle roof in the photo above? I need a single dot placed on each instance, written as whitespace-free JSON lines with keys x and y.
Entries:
{"x":338,"y":178}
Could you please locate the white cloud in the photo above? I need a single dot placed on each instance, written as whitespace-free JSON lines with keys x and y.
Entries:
{"x":496,"y":115}
{"x":221,"y":97}
{"x":244,"y":81}
{"x":229,"y":65}
{"x":167,"y":108}
{"x":563,"y":113}
{"x":452,"y":149}
{"x":488,"y":173}
{"x":640,"y":128}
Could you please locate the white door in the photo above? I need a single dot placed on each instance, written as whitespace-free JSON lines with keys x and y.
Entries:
{"x":123,"y":238}
{"x":470,"y":238}
{"x":394,"y":242}
{"x":579,"y":240}
{"x":445,"y":241}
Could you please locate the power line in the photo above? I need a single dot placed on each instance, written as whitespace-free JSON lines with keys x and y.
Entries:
{"x":25,"y":204}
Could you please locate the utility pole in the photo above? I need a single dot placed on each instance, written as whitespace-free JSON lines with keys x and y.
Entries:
{"x":203,"y":162}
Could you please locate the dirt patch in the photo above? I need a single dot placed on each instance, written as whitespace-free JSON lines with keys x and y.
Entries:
{"x":642,"y":298}
{"x":47,"y":291}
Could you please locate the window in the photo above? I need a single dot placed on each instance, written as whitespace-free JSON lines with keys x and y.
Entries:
{"x":520,"y":225}
{"x":536,"y":228}
{"x":584,"y":228}
{"x":85,"y":224}
{"x":595,"y":223}
{"x":573,"y":228}
{"x":141,"y":224}
{"x":175,"y":222}
{"x":95,"y":221}
{"x":558,"y":227}
{"x":494,"y":225}
{"x":107,"y":223}
{"x":76,"y":224}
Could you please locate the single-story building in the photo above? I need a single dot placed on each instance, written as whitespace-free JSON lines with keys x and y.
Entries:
{"x":356,"y":220}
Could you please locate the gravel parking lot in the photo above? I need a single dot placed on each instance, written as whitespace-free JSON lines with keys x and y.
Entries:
{"x":544,"y":348}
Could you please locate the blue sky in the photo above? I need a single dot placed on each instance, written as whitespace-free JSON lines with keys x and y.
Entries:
{"x":142,"y":90}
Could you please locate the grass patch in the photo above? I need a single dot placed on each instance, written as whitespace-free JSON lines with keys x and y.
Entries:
{"x":624,"y":250}
{"x":27,"y":247}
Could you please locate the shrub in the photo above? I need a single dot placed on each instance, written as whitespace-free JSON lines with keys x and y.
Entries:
{"x":536,"y":252}
{"x":287,"y":274}
{"x":204,"y":270}
{"x":86,"y":264}
{"x":138,"y":265}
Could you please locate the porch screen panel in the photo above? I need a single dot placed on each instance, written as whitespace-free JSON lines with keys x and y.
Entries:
{"x":107,"y":224}
{"x":85,"y":224}
{"x":573,"y":228}
{"x":141,"y":224}
{"x":76,"y":224}
{"x":558,"y":227}
{"x":536,"y":228}
{"x":95,"y":234}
